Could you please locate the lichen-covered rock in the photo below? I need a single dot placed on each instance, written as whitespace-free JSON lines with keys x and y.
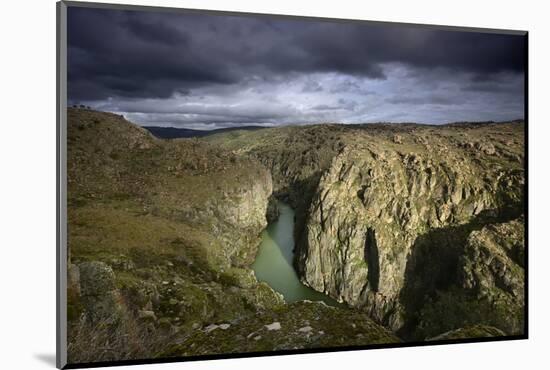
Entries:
{"x":98,"y":292}
{"x":374,"y":205}
{"x":298,"y":325}
{"x":493,"y":259}
{"x":492,"y":268}
{"x":96,"y":278}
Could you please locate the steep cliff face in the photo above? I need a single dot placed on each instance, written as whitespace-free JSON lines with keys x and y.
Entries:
{"x":386,"y":223}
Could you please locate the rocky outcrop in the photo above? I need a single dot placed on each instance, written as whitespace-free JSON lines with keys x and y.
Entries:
{"x":99,"y":295}
{"x":485,"y":285}
{"x":298,"y":325}
{"x":380,"y":207}
{"x":492,"y":268}
{"x":493,"y":259}
{"x":240,"y":216}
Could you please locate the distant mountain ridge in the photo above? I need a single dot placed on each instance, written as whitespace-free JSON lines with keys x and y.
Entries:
{"x":177,"y":133}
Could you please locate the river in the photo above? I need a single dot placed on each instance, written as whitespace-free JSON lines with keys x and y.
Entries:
{"x":273,"y":263}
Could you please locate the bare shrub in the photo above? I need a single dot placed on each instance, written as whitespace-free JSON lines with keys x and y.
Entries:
{"x":126,"y":339}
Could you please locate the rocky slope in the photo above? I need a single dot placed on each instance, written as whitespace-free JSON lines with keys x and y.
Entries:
{"x":161,"y":236}
{"x":298,"y":325}
{"x":390,"y":214}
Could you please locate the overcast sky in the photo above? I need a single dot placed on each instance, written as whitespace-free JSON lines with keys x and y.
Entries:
{"x":212,"y":71}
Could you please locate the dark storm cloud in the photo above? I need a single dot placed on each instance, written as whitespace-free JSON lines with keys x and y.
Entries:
{"x":115,"y":53}
{"x":156,"y":31}
{"x":503,"y":84}
{"x":298,"y":70}
{"x":111,"y":47}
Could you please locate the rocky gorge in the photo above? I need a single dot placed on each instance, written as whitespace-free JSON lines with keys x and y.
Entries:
{"x":396,"y":220}
{"x":162,"y":234}
{"x":417,"y":230}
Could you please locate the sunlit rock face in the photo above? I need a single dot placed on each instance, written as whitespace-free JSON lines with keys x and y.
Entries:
{"x":389,"y":220}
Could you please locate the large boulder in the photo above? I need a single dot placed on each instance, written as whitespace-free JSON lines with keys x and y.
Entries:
{"x":98,"y":292}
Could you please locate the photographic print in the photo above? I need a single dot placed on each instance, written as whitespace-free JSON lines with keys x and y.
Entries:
{"x":244,"y":184}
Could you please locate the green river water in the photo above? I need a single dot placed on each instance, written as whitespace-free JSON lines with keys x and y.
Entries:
{"x":273,"y":263}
